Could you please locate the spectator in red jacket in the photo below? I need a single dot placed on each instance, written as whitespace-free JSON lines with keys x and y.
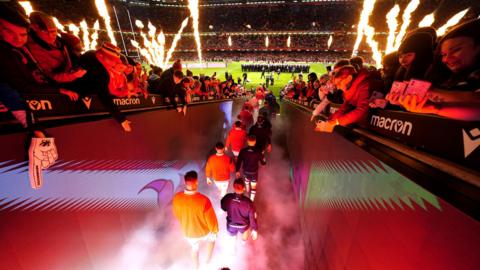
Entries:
{"x":218,"y":169}
{"x":236,"y":139}
{"x":356,"y":91}
{"x":50,"y":51}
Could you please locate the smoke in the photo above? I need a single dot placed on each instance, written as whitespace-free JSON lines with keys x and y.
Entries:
{"x":159,"y":244}
{"x":280,"y":243}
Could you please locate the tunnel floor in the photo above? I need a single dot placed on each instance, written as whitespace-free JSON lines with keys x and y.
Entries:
{"x":279,"y":245}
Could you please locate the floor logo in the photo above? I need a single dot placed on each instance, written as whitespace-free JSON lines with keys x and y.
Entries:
{"x":471,"y":140}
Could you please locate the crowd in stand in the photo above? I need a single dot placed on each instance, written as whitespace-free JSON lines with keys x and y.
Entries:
{"x":269,"y":67}
{"x":427,"y":75}
{"x":37,"y":58}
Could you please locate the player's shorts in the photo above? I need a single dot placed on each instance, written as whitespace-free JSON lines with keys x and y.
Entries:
{"x":252,"y":177}
{"x":236,"y":153}
{"x":222,"y":185}
{"x":234,"y":229}
{"x":195,"y":242}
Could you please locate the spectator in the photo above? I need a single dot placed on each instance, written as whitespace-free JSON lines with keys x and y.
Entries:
{"x":390,"y":66}
{"x":50,"y":51}
{"x":456,"y":94}
{"x":356,"y":91}
{"x":105,"y":78}
{"x":19,"y":73}
{"x":415,"y":56}
{"x":357,"y":63}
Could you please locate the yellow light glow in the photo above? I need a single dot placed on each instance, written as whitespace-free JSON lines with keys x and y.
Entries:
{"x":103,"y":12}
{"x":451,"y":22}
{"x":427,"y":20}
{"x":392,"y":27}
{"x":407,"y":14}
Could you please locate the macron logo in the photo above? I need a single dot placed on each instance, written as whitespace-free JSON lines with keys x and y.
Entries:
{"x":471,"y":141}
{"x":87,"y":101}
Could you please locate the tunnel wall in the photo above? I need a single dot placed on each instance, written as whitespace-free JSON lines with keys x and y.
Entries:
{"x":359,"y":213}
{"x":105,"y":184}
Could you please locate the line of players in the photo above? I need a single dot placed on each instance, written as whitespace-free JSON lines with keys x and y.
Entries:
{"x":194,"y":210}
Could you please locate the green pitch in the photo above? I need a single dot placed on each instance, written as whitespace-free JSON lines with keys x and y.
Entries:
{"x":254,"y":77}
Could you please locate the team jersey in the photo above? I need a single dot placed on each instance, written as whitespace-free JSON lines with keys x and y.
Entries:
{"x":248,"y":160}
{"x":219,"y":167}
{"x":195,"y":213}
{"x":240,"y":211}
{"x":263,"y":134}
{"x":236,"y":139}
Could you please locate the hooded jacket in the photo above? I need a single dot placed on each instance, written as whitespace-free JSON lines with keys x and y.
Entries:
{"x":355,"y":106}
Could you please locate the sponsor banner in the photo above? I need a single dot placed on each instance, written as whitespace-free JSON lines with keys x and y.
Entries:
{"x":57,"y":105}
{"x":458,"y":141}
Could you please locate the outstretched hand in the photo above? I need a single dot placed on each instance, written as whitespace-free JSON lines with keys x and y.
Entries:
{"x":126,"y":126}
{"x":73,"y":96}
{"x":412,"y":104}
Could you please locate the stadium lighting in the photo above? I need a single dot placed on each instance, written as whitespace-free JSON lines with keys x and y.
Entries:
{"x":427,"y":20}
{"x":27,"y":6}
{"x":451,"y":22}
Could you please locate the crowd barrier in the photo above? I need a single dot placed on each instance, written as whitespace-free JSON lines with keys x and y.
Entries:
{"x":53,"y":106}
{"x":457,"y":141}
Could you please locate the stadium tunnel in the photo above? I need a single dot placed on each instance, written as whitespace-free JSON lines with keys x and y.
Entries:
{"x":362,"y":200}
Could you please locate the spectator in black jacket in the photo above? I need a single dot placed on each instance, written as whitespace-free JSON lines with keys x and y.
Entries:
{"x":241,"y":214}
{"x":167,"y":86}
{"x":19,"y":74}
{"x":98,"y":79}
{"x":248,"y":160}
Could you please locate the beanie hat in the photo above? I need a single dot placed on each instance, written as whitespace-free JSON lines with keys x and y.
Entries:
{"x":14,"y":14}
{"x":429,"y":30}
{"x":42,"y":20}
{"x":469,"y":29}
{"x":110,"y":50}
{"x":390,"y":59}
{"x":416,"y":42}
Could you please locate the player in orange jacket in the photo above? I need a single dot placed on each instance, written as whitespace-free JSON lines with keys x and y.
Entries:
{"x":236,"y":139}
{"x":218,"y":169}
{"x":196,"y":216}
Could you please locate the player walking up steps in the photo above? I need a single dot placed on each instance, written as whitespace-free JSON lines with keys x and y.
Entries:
{"x":249,"y":160}
{"x":218,"y":169}
{"x":241,"y":214}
